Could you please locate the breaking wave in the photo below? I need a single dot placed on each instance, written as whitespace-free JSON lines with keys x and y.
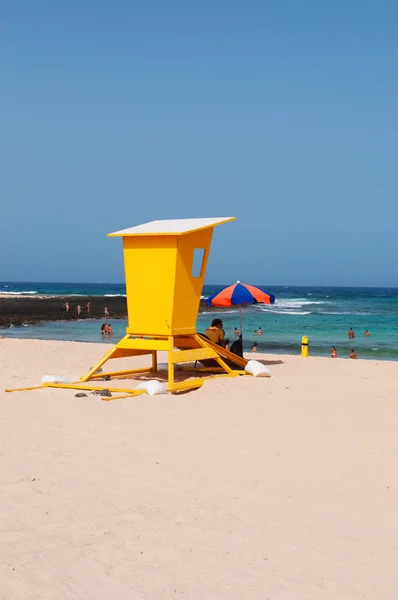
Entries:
{"x":21,"y":293}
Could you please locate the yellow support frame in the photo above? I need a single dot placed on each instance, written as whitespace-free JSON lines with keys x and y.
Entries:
{"x":180,"y":349}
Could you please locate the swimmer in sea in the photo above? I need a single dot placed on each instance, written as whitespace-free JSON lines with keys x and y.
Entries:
{"x":351,"y":333}
{"x":353,"y":354}
{"x":366,"y":332}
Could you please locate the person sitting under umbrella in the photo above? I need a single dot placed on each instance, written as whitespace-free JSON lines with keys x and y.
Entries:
{"x":215,"y":332}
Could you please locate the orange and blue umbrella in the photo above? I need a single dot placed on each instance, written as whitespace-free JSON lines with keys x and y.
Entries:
{"x":238,"y":294}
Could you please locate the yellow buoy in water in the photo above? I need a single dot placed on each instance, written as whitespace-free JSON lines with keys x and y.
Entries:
{"x":304,"y":346}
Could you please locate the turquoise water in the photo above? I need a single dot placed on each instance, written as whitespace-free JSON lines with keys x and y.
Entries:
{"x":324,"y":314}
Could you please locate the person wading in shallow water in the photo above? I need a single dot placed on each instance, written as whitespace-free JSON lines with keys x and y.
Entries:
{"x":353,"y":354}
{"x":334,"y":352}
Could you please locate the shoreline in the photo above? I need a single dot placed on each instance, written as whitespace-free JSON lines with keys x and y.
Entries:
{"x":44,"y":317}
{"x":270,"y":357}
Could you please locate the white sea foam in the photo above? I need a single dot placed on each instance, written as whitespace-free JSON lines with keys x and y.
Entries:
{"x":22,"y":293}
{"x":292,"y":306}
{"x":348,"y":313}
{"x":114,"y":295}
{"x":220,"y":312}
{"x":290,"y":312}
{"x":297,"y":302}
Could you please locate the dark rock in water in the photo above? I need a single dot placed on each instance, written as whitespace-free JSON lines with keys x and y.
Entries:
{"x":18,"y":311}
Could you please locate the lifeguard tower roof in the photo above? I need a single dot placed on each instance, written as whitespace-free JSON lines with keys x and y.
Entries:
{"x":171,"y":227}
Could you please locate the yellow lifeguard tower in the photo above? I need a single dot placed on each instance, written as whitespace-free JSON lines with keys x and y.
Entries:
{"x":165,"y":264}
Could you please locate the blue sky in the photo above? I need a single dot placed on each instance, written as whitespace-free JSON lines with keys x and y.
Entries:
{"x":283,"y":114}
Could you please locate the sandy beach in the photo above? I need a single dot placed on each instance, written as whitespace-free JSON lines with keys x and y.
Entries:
{"x":281,"y":488}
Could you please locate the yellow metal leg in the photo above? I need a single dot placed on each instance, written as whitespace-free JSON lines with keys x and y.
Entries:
{"x":154,"y":361}
{"x":103,"y":360}
{"x":84,"y":388}
{"x":220,"y":361}
{"x":170,"y":376}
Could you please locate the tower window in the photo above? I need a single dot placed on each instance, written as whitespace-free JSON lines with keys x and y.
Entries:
{"x":197,"y":263}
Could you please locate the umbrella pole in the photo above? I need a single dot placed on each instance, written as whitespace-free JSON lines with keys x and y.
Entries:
{"x":240,"y":311}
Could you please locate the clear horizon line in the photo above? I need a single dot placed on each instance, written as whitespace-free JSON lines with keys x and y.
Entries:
{"x":207,"y":284}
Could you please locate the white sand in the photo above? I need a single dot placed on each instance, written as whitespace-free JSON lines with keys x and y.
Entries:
{"x":282,"y":488}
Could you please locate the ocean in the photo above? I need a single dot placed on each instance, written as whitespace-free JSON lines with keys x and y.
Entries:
{"x":324,"y":314}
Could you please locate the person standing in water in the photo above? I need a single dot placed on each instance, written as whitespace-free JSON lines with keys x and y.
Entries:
{"x":351,"y":333}
{"x":366,"y":332}
{"x":353,"y":353}
{"x":334,"y":352}
{"x":78,"y":310}
{"x":66,"y":306}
